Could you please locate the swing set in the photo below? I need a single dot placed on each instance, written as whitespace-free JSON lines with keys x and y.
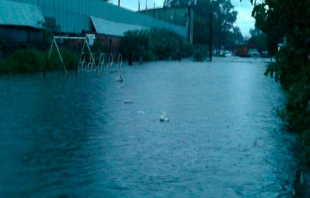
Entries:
{"x":84,"y":65}
{"x":54,"y":43}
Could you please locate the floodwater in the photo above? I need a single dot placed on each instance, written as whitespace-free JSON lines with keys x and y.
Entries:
{"x":90,"y":136}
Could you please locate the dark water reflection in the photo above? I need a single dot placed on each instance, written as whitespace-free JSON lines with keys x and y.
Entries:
{"x":89,"y":136}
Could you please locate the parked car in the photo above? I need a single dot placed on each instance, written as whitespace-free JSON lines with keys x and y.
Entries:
{"x":253,"y":53}
{"x":227,"y":53}
{"x":264,"y":54}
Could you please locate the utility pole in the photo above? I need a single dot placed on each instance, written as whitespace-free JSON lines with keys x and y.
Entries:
{"x":211,"y":31}
{"x":218,"y":36}
{"x":189,"y":14}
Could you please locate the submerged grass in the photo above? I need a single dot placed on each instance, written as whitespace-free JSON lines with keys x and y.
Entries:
{"x":32,"y":60}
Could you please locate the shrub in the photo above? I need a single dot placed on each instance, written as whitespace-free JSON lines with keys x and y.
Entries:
{"x":155,"y":44}
{"x":32,"y":60}
{"x":200,"y":53}
{"x":70,"y":60}
{"x":292,"y":70}
{"x":3,"y":67}
{"x":28,"y":60}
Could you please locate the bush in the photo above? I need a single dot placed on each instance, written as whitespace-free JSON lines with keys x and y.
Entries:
{"x":200,"y":53}
{"x":3,"y":67}
{"x":28,"y":60}
{"x":155,"y":44}
{"x":70,"y":60}
{"x":292,"y":70}
{"x":32,"y":60}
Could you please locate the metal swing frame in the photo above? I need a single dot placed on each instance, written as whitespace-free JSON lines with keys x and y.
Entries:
{"x":59,"y":54}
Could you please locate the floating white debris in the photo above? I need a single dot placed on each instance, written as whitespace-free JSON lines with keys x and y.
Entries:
{"x":164,"y":117}
{"x":141,"y":112}
{"x":119,"y":78}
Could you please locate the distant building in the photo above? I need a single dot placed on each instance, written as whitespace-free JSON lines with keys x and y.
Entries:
{"x":74,"y":16}
{"x":182,"y":16}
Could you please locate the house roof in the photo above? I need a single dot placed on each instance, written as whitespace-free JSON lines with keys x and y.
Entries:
{"x":20,"y":14}
{"x":111,"y":28}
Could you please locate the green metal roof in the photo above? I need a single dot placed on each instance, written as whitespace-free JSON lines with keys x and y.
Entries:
{"x":111,"y":28}
{"x":20,"y":14}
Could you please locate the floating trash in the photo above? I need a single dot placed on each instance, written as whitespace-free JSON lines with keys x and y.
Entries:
{"x":119,"y":78}
{"x":128,"y":101}
{"x":164,"y":117}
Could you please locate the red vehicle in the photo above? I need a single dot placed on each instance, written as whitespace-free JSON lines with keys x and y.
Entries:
{"x":242,"y":50}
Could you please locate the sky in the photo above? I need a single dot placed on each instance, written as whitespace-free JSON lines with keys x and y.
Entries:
{"x":244,"y":8}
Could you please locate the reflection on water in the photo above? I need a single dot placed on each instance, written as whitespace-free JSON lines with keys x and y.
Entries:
{"x":79,"y":137}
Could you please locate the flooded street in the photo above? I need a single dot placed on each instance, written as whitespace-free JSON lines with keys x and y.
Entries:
{"x":90,"y":136}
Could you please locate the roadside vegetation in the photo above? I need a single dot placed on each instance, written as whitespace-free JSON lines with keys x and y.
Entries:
{"x":223,"y":15}
{"x":155,"y":44}
{"x":287,"y":22}
{"x":32,"y":60}
{"x":200,"y":53}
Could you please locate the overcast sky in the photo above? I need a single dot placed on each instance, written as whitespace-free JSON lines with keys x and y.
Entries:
{"x":244,"y":8}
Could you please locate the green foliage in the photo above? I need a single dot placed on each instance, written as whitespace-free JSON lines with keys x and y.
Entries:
{"x":224,"y":17}
{"x":200,"y":53}
{"x":138,"y":43}
{"x":272,"y":44}
{"x":201,"y":31}
{"x":259,"y":39}
{"x":292,"y":68}
{"x":70,"y":60}
{"x":3,"y":67}
{"x":155,"y":44}
{"x":32,"y":60}
{"x":46,"y":30}
{"x":23,"y":61}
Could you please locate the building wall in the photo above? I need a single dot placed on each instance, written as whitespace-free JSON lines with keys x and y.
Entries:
{"x":182,"y":16}
{"x":20,"y":34}
{"x":178,"y":16}
{"x":73,"y":16}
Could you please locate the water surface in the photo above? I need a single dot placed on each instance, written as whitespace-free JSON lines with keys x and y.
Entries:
{"x":90,"y":136}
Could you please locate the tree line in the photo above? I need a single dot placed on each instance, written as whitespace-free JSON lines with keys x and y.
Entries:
{"x":223,"y":17}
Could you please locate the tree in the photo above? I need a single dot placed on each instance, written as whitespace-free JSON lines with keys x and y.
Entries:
{"x":255,"y":32}
{"x":289,"y":21}
{"x":176,"y":3}
{"x":201,"y":32}
{"x":238,"y":35}
{"x":259,"y":39}
{"x":223,"y":15}
{"x":232,"y":38}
